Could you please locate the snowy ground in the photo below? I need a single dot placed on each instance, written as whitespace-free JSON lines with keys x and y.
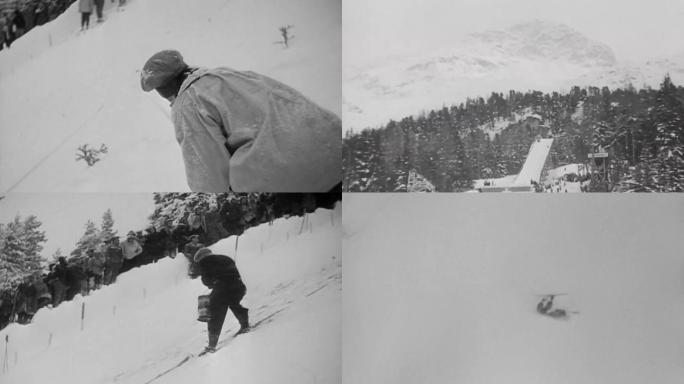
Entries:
{"x":449,"y":295}
{"x":146,"y":323}
{"x":60,"y":88}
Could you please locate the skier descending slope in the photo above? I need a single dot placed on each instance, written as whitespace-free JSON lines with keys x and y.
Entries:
{"x":544,"y":307}
{"x":245,"y":132}
{"x":220,"y":273}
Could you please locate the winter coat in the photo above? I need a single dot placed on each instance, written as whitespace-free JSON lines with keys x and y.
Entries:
{"x":249,"y":133}
{"x":18,"y":20}
{"x":114,"y":255}
{"x":219,"y":271}
{"x":61,"y":273}
{"x":3,"y":27}
{"x":85,"y":6}
{"x":131,"y":250}
{"x":96,"y":264}
{"x":41,"y":290}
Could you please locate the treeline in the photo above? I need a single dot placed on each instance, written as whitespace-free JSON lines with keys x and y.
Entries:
{"x":487,"y":138}
{"x":28,"y":279}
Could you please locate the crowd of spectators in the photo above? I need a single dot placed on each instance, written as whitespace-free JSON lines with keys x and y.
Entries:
{"x":27,"y":14}
{"x":99,"y":266}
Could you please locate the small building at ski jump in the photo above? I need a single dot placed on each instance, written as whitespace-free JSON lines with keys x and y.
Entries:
{"x":530,"y":173}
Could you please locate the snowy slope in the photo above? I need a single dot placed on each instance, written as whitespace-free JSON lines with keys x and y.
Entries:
{"x":146,"y":323}
{"x":60,"y":88}
{"x":449,"y":296}
{"x":534,"y":162}
{"x":538,"y":55}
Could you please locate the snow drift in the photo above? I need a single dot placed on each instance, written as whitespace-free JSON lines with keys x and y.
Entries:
{"x":449,"y":296}
{"x":146,"y":322}
{"x":60,"y":88}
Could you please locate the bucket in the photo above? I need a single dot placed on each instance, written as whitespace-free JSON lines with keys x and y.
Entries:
{"x":203,"y":314}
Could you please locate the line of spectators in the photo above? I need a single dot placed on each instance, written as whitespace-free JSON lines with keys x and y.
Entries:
{"x":80,"y":274}
{"x":30,"y":13}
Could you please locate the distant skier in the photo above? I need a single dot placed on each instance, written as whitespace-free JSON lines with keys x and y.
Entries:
{"x":86,"y":8}
{"x":245,"y":132}
{"x":220,"y":273}
{"x":545,"y":305}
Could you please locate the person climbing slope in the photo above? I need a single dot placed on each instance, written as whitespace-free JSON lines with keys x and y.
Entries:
{"x":220,"y":273}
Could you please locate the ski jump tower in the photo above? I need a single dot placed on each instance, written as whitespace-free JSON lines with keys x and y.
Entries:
{"x":598,"y":167}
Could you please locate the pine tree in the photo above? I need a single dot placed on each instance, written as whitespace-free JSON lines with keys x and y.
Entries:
{"x":107,"y":228}
{"x":91,"y":238}
{"x":20,"y":250}
{"x":668,"y":115}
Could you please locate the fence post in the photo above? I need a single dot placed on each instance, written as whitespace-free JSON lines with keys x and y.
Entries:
{"x":114,"y":310}
{"x":50,"y":340}
{"x":144,"y":293}
{"x":5,"y":360}
{"x":82,"y":315}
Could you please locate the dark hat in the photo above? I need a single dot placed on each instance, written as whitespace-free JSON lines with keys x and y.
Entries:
{"x":201,"y":254}
{"x":160,"y":68}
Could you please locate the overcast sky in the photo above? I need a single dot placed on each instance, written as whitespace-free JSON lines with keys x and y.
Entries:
{"x":64,"y":215}
{"x":635,"y":29}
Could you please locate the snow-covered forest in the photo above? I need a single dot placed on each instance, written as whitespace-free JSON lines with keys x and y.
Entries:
{"x":641,"y":130}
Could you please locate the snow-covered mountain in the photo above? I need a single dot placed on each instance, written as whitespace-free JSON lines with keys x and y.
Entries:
{"x":61,"y":88}
{"x":537,"y":55}
{"x":146,"y":323}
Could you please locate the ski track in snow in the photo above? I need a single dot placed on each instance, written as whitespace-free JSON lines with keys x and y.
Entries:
{"x":146,"y":322}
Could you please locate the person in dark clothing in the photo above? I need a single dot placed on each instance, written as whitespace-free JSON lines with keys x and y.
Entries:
{"x":99,"y":5}
{"x":220,"y":273}
{"x":544,"y":307}
{"x":113,"y":260}
{"x":57,"y":285}
{"x":18,"y":25}
{"x":77,"y":280}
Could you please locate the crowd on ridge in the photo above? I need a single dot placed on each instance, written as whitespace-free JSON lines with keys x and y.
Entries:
{"x":99,"y":266}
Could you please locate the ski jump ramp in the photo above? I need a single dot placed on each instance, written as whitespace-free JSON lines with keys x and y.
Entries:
{"x":531,"y":171}
{"x":534,"y":163}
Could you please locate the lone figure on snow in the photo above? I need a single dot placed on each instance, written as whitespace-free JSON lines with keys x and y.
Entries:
{"x":544,"y":307}
{"x":220,"y":273}
{"x":245,"y":132}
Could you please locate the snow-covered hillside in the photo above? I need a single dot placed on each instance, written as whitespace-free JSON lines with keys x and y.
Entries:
{"x":538,"y":55}
{"x":60,"y":88}
{"x":449,"y":296}
{"x":146,"y":322}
